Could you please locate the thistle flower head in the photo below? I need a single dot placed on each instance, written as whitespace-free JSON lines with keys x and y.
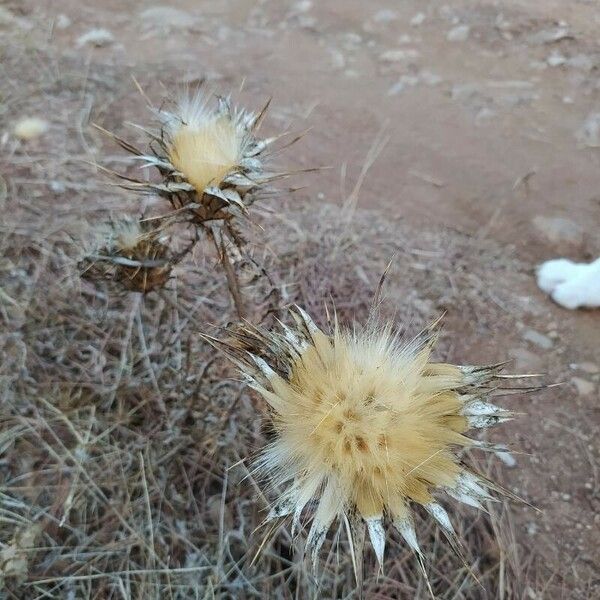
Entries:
{"x":366,"y":426}
{"x":209,"y":157}
{"x":203,"y":145}
{"x":132,"y":252}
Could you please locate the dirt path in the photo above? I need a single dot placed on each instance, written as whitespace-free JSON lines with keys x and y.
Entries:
{"x":483,"y":110}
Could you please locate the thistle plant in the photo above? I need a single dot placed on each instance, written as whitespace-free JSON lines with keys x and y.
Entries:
{"x":212,"y":168}
{"x":366,"y":427}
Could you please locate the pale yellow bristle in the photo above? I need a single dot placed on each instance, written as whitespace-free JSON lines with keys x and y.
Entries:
{"x":374,"y":419}
{"x":206,"y":152}
{"x":127,"y":234}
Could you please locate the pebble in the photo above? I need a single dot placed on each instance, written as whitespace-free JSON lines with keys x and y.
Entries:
{"x":96,"y":37}
{"x":58,"y":187}
{"x":303,"y":6}
{"x":166,"y":18}
{"x":538,"y":339}
{"x":583,"y":386}
{"x":418,"y":19}
{"x":30,"y":128}
{"x":6,"y":17}
{"x":525,"y":360}
{"x":559,"y":229}
{"x":484,"y":114}
{"x":385,"y":16}
{"x":556,"y":59}
{"x":581,"y":61}
{"x":549,"y":36}
{"x":589,"y":132}
{"x":398,"y":55}
{"x":63,"y":22}
{"x":409,"y":81}
{"x":460,"y":33}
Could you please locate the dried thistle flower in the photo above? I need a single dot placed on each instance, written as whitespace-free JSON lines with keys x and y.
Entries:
{"x":210,"y":158}
{"x":366,"y":427}
{"x":133,"y":253}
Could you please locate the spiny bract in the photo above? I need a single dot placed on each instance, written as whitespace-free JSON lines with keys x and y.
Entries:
{"x":365,"y":426}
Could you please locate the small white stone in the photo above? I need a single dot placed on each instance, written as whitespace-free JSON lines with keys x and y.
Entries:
{"x":549,"y":36}
{"x":460,"y":33}
{"x":589,"y":132}
{"x":525,"y":360}
{"x":581,"y":61}
{"x":166,"y":18}
{"x":429,"y":78}
{"x":96,"y":37}
{"x":418,"y":19}
{"x":556,"y":59}
{"x":583,"y":386}
{"x":484,"y":114}
{"x":63,"y":22}
{"x":538,"y":339}
{"x":6,"y":16}
{"x":385,"y":16}
{"x":303,"y":6}
{"x":558,"y":229}
{"x":30,"y":128}
{"x":405,"y":82}
{"x":398,"y":55}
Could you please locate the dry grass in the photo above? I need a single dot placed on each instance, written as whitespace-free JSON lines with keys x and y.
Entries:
{"x":125,"y":440}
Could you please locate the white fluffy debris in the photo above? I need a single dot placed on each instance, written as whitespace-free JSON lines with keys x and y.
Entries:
{"x":98,"y":38}
{"x":30,"y":128}
{"x":572,"y":285}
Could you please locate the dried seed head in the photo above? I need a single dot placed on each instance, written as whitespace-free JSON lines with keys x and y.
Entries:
{"x":134,"y":253}
{"x":366,"y":425}
{"x":209,"y":157}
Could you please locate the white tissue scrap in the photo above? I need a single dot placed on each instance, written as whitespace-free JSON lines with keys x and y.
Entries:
{"x":572,"y":285}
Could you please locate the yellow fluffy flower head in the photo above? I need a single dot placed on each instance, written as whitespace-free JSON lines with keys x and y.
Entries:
{"x":366,"y":426}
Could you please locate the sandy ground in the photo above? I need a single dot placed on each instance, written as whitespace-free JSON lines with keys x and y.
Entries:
{"x":483,"y":107}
